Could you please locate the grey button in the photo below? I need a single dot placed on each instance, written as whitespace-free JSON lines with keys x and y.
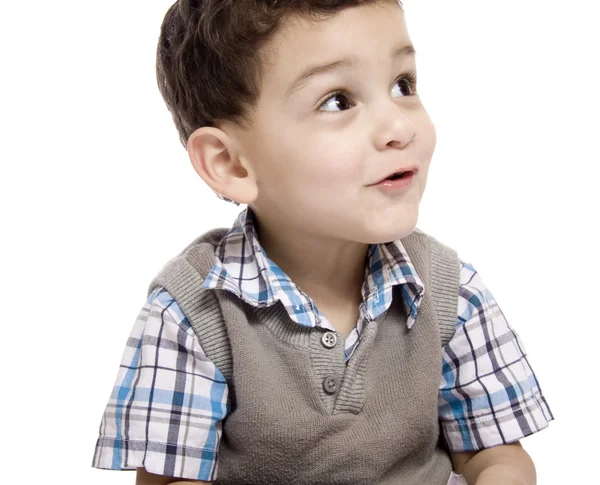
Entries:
{"x":329,"y":339}
{"x":331,"y":384}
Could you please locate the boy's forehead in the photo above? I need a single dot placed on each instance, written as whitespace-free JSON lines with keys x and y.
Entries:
{"x":302,"y":45}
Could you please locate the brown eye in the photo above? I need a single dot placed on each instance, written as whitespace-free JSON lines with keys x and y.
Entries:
{"x":341,"y":101}
{"x":410,"y":83}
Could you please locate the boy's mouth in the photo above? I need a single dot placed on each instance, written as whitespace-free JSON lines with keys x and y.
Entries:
{"x":401,"y":173}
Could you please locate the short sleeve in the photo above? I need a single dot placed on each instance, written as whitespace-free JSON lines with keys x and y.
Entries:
{"x":489,"y":394}
{"x":166,"y":408}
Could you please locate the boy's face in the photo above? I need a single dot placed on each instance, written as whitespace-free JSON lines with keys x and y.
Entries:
{"x":314,"y":155}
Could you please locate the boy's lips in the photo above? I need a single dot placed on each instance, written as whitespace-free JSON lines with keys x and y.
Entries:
{"x":409,"y":168}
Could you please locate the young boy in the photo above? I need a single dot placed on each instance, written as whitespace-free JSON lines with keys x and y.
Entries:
{"x":322,"y":339}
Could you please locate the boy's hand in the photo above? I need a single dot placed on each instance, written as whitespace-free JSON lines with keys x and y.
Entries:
{"x":500,"y":475}
{"x":506,"y":464}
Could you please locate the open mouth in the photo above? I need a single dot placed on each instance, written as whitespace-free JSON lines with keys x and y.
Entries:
{"x":402,"y":177}
{"x":399,"y":175}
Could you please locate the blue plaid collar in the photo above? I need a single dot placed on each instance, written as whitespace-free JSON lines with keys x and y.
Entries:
{"x":243,"y":268}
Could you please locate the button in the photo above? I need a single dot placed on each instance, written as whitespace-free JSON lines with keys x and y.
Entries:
{"x":331,"y":384}
{"x":329,"y":339}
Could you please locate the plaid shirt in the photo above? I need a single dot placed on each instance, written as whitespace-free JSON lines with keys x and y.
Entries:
{"x":167,"y":405}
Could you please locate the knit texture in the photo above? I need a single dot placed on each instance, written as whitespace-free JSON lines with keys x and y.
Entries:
{"x":379,"y":425}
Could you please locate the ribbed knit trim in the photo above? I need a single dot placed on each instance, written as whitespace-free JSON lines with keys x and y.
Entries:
{"x":327,"y":363}
{"x":279,"y":323}
{"x":351,"y":396}
{"x":444,"y":278}
{"x":183,"y":278}
{"x":445,"y":283}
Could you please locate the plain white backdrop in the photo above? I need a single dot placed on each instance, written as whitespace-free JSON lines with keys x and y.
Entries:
{"x":97,"y":194}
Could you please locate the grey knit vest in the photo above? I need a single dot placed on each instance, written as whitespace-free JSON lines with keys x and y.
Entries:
{"x":380,"y":423}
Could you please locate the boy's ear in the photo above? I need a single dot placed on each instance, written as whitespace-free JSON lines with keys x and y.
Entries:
{"x":216,"y":158}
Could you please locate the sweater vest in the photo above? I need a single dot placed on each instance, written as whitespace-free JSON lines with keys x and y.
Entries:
{"x":298,"y":413}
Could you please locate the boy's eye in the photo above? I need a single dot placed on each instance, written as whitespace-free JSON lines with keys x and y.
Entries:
{"x":409,"y":80}
{"x":339,"y":99}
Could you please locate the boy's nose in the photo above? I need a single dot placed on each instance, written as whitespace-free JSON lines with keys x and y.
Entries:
{"x":393,"y":126}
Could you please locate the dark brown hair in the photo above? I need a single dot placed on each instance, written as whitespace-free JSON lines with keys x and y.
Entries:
{"x":208,"y":65}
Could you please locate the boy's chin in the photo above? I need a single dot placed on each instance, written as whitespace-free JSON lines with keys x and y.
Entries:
{"x":388,"y":235}
{"x":395,"y":230}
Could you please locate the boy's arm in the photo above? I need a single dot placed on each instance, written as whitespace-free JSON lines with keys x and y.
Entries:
{"x":163,"y":357}
{"x":470,"y":380}
{"x":500,"y":465}
{"x":146,"y":478}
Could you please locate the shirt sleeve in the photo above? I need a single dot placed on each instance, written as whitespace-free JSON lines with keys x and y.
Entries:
{"x":489,"y":394}
{"x":166,"y":408}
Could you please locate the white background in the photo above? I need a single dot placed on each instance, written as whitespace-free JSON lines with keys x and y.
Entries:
{"x":97,"y":194}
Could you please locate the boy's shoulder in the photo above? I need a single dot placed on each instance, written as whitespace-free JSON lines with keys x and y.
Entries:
{"x":209,"y":238}
{"x":419,"y":237}
{"x":183,"y":278}
{"x":193,"y":262}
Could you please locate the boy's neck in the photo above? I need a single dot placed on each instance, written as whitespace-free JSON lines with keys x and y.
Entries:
{"x":332,"y":273}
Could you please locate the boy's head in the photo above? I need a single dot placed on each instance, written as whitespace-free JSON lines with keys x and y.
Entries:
{"x":301,"y":153}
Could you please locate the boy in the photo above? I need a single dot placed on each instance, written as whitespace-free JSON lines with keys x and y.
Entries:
{"x":319,"y":361}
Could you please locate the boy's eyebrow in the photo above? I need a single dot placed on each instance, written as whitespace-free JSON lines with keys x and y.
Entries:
{"x":352,"y":62}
